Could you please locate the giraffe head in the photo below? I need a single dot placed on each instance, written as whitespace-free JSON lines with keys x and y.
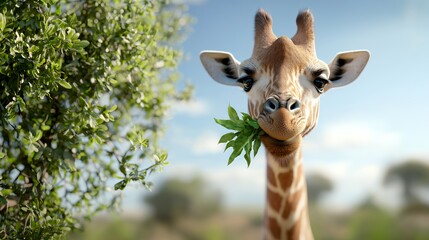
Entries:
{"x":284,"y":80}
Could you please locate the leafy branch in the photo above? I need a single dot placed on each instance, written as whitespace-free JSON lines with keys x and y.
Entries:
{"x":245,"y":135}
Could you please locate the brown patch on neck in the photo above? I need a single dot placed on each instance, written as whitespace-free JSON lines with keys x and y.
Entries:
{"x":295,"y":230}
{"x":284,"y":152}
{"x":284,"y":200}
{"x":274,"y":200}
{"x":274,"y":228}
{"x":291,"y":203}
{"x":292,"y":200}
{"x":271,"y":176}
{"x":286,"y":179}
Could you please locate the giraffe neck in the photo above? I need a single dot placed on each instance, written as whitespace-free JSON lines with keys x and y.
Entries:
{"x":286,"y":210}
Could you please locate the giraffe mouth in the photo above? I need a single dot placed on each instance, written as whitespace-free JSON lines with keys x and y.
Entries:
{"x":283,"y":131}
{"x":281,"y":148}
{"x":279,"y":141}
{"x":282,"y":126}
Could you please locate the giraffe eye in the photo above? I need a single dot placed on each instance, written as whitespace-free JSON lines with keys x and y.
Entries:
{"x":247,"y":83}
{"x":320,"y":83}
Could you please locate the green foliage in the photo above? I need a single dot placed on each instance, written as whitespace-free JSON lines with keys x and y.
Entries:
{"x":371,"y":223}
{"x":109,"y":228}
{"x":368,"y":220}
{"x":246,"y":135}
{"x":84,"y":90}
{"x":177,"y":199}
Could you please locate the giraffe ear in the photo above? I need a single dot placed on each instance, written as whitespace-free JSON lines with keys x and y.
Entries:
{"x":221,"y":66}
{"x":347,"y":66}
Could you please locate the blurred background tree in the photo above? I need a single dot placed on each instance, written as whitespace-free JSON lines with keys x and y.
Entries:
{"x":85,"y":86}
{"x":318,"y":185}
{"x":185,"y":209}
{"x":178,"y":199}
{"x":413,"y":175}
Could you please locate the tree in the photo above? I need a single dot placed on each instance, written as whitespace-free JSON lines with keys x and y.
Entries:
{"x":177,"y":199}
{"x":317,"y":186}
{"x":412,"y":174}
{"x":85,"y":86}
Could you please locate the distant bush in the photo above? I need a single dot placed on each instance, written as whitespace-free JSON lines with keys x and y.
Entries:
{"x":371,"y":223}
{"x":83,"y":95}
{"x":178,"y":199}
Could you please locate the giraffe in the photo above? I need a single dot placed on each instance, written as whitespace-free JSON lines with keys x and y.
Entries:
{"x":284,"y":80}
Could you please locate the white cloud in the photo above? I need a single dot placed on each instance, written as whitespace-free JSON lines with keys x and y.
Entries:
{"x":195,"y":143}
{"x":193,"y":107}
{"x":206,"y":143}
{"x":352,"y":181}
{"x":349,"y":152}
{"x":240,"y":185}
{"x":334,"y":170}
{"x":354,"y":135}
{"x":239,"y":176}
{"x":358,"y":135}
{"x":370,"y":172}
{"x":415,"y":10}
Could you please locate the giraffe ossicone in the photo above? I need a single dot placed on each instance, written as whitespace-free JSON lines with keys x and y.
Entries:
{"x":284,"y":80}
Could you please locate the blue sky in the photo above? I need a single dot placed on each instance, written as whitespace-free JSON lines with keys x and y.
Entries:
{"x":380,"y":119}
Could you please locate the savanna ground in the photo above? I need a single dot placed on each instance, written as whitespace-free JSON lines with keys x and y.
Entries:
{"x":364,"y":222}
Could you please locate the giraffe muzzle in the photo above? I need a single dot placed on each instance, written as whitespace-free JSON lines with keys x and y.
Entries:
{"x":282,"y":119}
{"x":273,"y":104}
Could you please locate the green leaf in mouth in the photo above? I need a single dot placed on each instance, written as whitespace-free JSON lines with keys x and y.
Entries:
{"x":245,"y":135}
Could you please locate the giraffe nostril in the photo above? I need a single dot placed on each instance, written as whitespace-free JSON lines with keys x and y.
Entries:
{"x":271,"y":105}
{"x":294,"y":106}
